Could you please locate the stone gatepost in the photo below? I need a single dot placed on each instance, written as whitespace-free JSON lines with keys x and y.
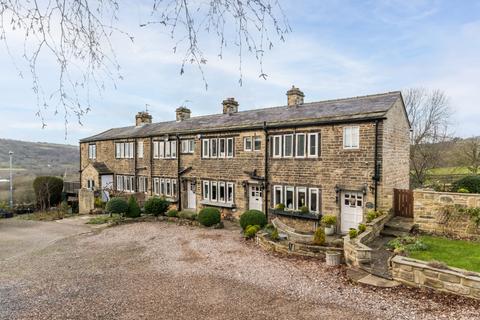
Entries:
{"x":86,"y":201}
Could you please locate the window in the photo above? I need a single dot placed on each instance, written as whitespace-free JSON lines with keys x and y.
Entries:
{"x":206,"y":190}
{"x":351,"y":137}
{"x":173,"y":148}
{"x":288,"y":145}
{"x":301,"y":145}
{"x":191,"y":146}
{"x":313,"y":145}
{"x":174,"y":188}
{"x":213,"y":148}
{"x":257,"y":143}
{"x":119,"y":183}
{"x":167,"y":149}
{"x":92,"y":151}
{"x":247,"y":144}
{"x":221,"y":148}
{"x":230,"y":148}
{"x":277,"y":195}
{"x":124,"y":150}
{"x":156,"y":186}
{"x":188,"y":146}
{"x":140,"y":149}
{"x":90,"y":184}
{"x":155,"y":150}
{"x":289,"y":195}
{"x":229,"y":192}
{"x":214,"y":191}
{"x":277,"y":146}
{"x":221,"y":191}
{"x":131,"y":154}
{"x":313,"y":200}
{"x":142,"y":184}
{"x":162,"y":186}
{"x":117,"y":150}
{"x":126,"y":183}
{"x":161,"y":149}
{"x":301,"y":197}
{"x":205,"y":148}
{"x":168,"y":187}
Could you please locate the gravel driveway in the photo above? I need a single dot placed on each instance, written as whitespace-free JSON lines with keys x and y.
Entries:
{"x":159,"y":270}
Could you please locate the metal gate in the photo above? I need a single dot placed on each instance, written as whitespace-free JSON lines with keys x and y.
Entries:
{"x":403,"y":202}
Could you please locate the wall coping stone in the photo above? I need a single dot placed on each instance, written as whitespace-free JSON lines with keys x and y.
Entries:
{"x":447,"y":193}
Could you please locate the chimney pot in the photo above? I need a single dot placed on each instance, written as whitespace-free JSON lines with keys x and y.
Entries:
{"x":182,"y":113}
{"x":294,"y":97}
{"x":230,"y":105}
{"x":142,"y":118}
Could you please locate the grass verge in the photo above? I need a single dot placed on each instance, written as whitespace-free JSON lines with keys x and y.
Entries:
{"x":45,"y":216}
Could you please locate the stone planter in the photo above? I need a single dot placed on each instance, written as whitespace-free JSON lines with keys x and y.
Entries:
{"x":333,"y":258}
{"x":329,"y":230}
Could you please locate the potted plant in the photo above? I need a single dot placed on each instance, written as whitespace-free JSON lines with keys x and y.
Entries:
{"x":329,"y":221}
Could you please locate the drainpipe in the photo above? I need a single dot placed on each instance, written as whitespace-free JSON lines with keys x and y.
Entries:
{"x":151,"y":166}
{"x":266,"y":183}
{"x":179,"y":193}
{"x":376,"y":176}
{"x":135,"y":165}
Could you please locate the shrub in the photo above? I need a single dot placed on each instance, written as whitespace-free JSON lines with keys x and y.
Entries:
{"x":407,"y":244}
{"x":361,"y":228}
{"x":99,"y":203}
{"x":463,"y":190}
{"x":274,"y":235}
{"x":251,"y":231}
{"x":371,"y":215}
{"x":353,"y":233}
{"x":329,"y":219}
{"x":319,"y":237}
{"x":133,"y":208}
{"x":156,"y":206}
{"x":470,"y":183}
{"x":172,"y":213}
{"x":280,"y":206}
{"x":252,"y":218}
{"x":209,"y":216}
{"x":117,"y":205}
{"x":190,"y":215}
{"x":48,"y":191}
{"x":304,"y":210}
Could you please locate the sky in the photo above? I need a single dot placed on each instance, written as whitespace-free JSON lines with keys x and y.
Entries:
{"x":335,"y":49}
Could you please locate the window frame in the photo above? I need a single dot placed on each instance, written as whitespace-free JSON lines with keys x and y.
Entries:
{"x":174,"y":187}
{"x":212,"y":193}
{"x":317,"y":192}
{"x":297,"y":145}
{"x":254,"y":143}
{"x":227,"y":198}
{"x":245,"y":140}
{"x":206,"y":148}
{"x":297,"y":197}
{"x":309,"y":145}
{"x":233,"y":148}
{"x":168,"y":150}
{"x":354,"y":136}
{"x":292,"y":189}
{"x":220,"y":153}
{"x":140,"y":151}
{"x":161,"y":149}
{"x":155,"y":150}
{"x":280,"y":146}
{"x":206,"y":190}
{"x":162,"y":186}
{"x":285,"y":145}
{"x":92,"y":151}
{"x":214,"y":147}
{"x":275,"y":200}
{"x":168,"y":187}
{"x":221,"y":185}
{"x":173,"y":149}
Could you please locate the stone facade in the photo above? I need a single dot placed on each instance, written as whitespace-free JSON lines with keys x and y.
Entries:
{"x":417,"y":273}
{"x":335,"y":169}
{"x":437,"y":212}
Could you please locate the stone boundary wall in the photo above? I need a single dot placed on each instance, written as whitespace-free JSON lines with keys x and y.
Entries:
{"x":86,"y":201}
{"x":356,"y":251}
{"x":431,"y":217}
{"x":418,"y":273}
{"x":293,"y":248}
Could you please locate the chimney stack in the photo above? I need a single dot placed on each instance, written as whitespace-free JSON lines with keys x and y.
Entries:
{"x":142,"y":118}
{"x":230,"y":105}
{"x":182,"y":113}
{"x":294,"y":97}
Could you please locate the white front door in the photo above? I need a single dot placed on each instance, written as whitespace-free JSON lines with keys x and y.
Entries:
{"x":191,"y":199}
{"x":255,"y":200}
{"x":352,"y":210}
{"x":106,"y":185}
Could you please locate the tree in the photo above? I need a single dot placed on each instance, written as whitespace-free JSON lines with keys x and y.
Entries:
{"x":471,"y":154}
{"x":429,"y":114}
{"x":78,"y":33}
{"x":48,"y":191}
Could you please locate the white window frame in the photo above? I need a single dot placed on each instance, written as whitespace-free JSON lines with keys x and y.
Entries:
{"x":119,"y":183}
{"x":297,"y":197}
{"x":254,"y":143}
{"x":122,"y":150}
{"x":245,"y":140}
{"x":173,"y":149}
{"x":230,"y":153}
{"x":297,"y":146}
{"x":213,"y":142}
{"x":191,"y":146}
{"x":351,"y":137}
{"x":162,"y":187}
{"x":206,"y":190}
{"x":168,"y":187}
{"x":140,"y":149}
{"x":310,"y":192}
{"x":205,"y":148}
{"x":168,"y":151}
{"x":132,"y":149}
{"x":92,"y":151}
{"x":287,"y":189}
{"x":90,"y":184}
{"x":117,"y":150}
{"x":277,"y":151}
{"x":161,"y":149}
{"x":156,"y":186}
{"x":230,"y":185}
{"x":275,"y":200}
{"x":221,"y":185}
{"x":156,"y":148}
{"x":214,"y":184}
{"x":317,"y":144}
{"x":174,"y":187}
{"x":285,"y":146}
{"x":220,"y":153}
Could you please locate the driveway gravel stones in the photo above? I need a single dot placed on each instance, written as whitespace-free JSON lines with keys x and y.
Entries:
{"x":159,"y":270}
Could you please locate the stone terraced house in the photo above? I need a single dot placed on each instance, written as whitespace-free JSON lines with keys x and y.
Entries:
{"x":341,"y":157}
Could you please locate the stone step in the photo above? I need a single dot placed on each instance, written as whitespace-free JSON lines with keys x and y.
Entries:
{"x":400,"y":224}
{"x":389,"y":232}
{"x":375,"y":281}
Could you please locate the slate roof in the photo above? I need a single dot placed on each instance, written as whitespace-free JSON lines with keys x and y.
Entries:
{"x":357,"y":108}
{"x":101,"y":168}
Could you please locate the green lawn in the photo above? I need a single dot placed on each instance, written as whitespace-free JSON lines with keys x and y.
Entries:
{"x":449,"y":170}
{"x":455,"y":253}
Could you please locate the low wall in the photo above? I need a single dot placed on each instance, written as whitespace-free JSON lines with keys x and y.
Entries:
{"x":303,"y":225}
{"x":437,"y":212}
{"x":356,"y":251}
{"x":418,"y":273}
{"x":86,"y":201}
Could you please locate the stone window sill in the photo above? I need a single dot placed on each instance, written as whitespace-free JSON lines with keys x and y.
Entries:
{"x":217,"y":204}
{"x":296,"y":214}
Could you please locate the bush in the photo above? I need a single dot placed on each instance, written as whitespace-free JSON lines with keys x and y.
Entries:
{"x":133,"y":208}
{"x":463,"y":190}
{"x":156,"y":206}
{"x":48,"y":191}
{"x":117,"y":205}
{"x":190,"y":215}
{"x":319,"y":237}
{"x":329,"y":220}
{"x":209,"y":217}
{"x":470,"y":183}
{"x":371,"y":215}
{"x":251,"y":231}
{"x":172,"y":213}
{"x":252,"y":218}
{"x":280,"y":206}
{"x":353,"y":233}
{"x":274,"y":235}
{"x":407,"y":244}
{"x":361,"y":228}
{"x":99,"y":203}
{"x":304,"y":210}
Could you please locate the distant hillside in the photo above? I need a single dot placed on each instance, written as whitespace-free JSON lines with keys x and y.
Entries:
{"x":39,"y":157}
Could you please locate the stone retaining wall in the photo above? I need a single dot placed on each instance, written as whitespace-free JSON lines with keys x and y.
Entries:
{"x":418,"y":273}
{"x":434,"y":212}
